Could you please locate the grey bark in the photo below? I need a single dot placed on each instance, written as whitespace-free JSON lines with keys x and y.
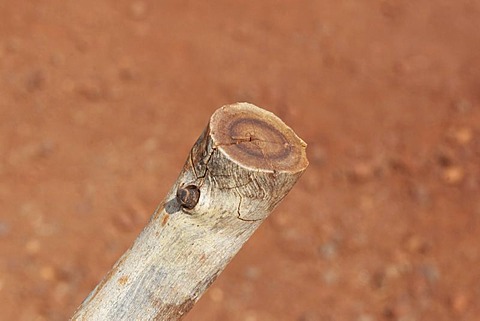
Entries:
{"x":240,"y":168}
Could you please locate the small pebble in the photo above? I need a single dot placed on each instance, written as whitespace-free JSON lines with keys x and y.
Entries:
{"x":309,"y":316}
{"x":151,"y":144}
{"x":216,"y":294}
{"x":328,"y":250}
{"x":317,"y":155}
{"x":415,"y":244}
{"x":35,"y":81}
{"x":362,"y":172}
{"x":366,"y":317}
{"x":281,"y":219}
{"x":462,"y":106}
{"x":32,"y":246}
{"x":431,"y":273}
{"x":462,"y":135}
{"x":453,"y":174}
{"x":93,"y":91}
{"x":138,"y":9}
{"x":252,"y":272}
{"x":125,"y":221}
{"x":61,"y":293}
{"x":126,"y":74}
{"x":367,"y":203}
{"x":47,"y":273}
{"x":251,"y":316}
{"x":4,"y":228}
{"x":460,"y":303}
{"x":420,"y":194}
{"x":330,"y":277}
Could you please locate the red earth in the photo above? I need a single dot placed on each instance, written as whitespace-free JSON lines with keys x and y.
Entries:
{"x":100,"y":102}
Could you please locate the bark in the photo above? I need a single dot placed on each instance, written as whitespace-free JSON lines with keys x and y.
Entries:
{"x":240,"y":168}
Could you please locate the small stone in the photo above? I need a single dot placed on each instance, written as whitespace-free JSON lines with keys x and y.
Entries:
{"x":460,"y":303}
{"x":138,"y":9}
{"x":445,"y":157}
{"x":125,"y":221}
{"x":328,"y":250}
{"x":309,"y":316}
{"x":251,"y":316}
{"x":151,"y":144}
{"x":32,"y":246}
{"x":362,"y":172}
{"x":4,"y":227}
{"x":58,"y":59}
{"x":281,"y":219}
{"x":318,"y":155}
{"x":93,"y":91}
{"x":462,"y":135}
{"x":45,"y":149}
{"x":367,"y":203}
{"x":35,"y":81}
{"x":389,"y":313}
{"x":330,"y":277}
{"x":79,"y":117}
{"x":14,"y":45}
{"x":394,"y":271}
{"x":420,"y":194}
{"x":388,"y":10}
{"x":84,"y":207}
{"x":252,"y":272}
{"x":415,"y":244}
{"x":462,"y":105}
{"x":376,"y":279}
{"x":431,"y":273}
{"x":216,"y":294}
{"x":126,"y":74}
{"x":47,"y":273}
{"x":366,"y":317}
{"x":61,"y":293}
{"x":453,"y":174}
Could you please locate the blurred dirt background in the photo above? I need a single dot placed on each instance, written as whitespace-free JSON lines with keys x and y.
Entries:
{"x":100,"y":102}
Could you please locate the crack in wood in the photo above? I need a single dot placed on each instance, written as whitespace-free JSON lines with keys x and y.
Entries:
{"x":252,"y":138}
{"x":239,"y":215}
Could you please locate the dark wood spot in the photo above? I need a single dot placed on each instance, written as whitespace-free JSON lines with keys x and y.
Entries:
{"x":123,"y":280}
{"x":172,"y":311}
{"x":165,"y":219}
{"x":188,"y":196}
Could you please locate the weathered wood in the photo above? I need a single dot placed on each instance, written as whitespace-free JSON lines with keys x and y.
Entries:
{"x":240,"y":168}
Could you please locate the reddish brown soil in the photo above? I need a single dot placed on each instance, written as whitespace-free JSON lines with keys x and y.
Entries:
{"x":100,"y":102}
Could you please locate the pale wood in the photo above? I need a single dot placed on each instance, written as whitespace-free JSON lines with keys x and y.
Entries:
{"x":243,"y":164}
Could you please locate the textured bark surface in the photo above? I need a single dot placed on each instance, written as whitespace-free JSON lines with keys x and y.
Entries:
{"x":240,"y":168}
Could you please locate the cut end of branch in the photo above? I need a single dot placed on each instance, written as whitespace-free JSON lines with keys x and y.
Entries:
{"x":255,"y":138}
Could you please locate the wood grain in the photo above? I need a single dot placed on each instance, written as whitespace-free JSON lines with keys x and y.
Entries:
{"x":240,"y":168}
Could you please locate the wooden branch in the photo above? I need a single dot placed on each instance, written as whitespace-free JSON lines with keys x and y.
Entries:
{"x":240,"y":168}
